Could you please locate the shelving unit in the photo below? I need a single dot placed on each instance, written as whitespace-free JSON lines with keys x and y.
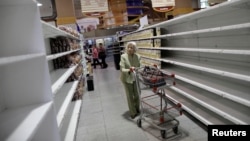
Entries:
{"x":62,"y":90}
{"x":66,"y":95}
{"x":26,"y":102}
{"x":54,"y":56}
{"x":59,"y":77}
{"x":34,"y":97}
{"x":209,"y":52}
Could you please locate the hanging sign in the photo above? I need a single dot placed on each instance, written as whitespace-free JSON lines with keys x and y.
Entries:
{"x":94,"y":14}
{"x":88,"y":24}
{"x":94,"y":6}
{"x":163,"y":5}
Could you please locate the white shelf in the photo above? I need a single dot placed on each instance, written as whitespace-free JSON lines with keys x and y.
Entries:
{"x":216,"y":10}
{"x":221,"y":93}
{"x":14,"y":2}
{"x":61,"y":95}
{"x":57,"y":55}
{"x":70,"y":89}
{"x":59,"y":77}
{"x":26,"y":104}
{"x":201,"y":31}
{"x":24,"y":83}
{"x":219,"y":51}
{"x":210,"y":70}
{"x":209,"y":106}
{"x":62,"y":91}
{"x":70,"y":133}
{"x":24,"y":36}
{"x":20,"y":124}
{"x":51,"y":31}
{"x":201,"y":113}
{"x":208,"y":30}
{"x":16,"y":59}
{"x":196,"y":115}
{"x":205,"y":69}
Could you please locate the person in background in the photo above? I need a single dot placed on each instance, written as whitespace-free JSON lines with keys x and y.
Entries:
{"x":102,"y":55}
{"x":95,"y":53}
{"x":129,"y":61}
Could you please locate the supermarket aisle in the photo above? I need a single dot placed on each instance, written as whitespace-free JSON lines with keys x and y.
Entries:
{"x":104,"y":115}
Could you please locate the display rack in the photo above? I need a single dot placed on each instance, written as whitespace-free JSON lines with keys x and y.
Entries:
{"x":62,"y":90}
{"x":208,"y":50}
{"x":34,"y":97}
{"x":26,"y":102}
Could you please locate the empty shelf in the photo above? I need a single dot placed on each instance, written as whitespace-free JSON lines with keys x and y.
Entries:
{"x":54,"y":56}
{"x":59,"y":77}
{"x":63,"y":98}
{"x":51,"y":31}
{"x":242,"y":74}
{"x":71,"y":131}
{"x":15,"y":122}
{"x":234,"y":112}
{"x":19,"y":58}
{"x":219,"y":51}
{"x":226,"y":89}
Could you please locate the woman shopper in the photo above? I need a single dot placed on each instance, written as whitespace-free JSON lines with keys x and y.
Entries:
{"x":102,"y":55}
{"x":95,"y":53}
{"x":129,"y":61}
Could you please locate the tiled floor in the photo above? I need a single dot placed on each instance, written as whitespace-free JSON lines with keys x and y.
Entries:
{"x":104,"y":115}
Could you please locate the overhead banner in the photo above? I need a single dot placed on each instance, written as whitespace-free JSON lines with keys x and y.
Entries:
{"x":88,"y":24}
{"x":94,"y":6}
{"x":163,"y":5}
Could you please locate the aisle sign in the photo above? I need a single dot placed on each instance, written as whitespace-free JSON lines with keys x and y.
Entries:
{"x":163,"y":5}
{"x":94,"y":6}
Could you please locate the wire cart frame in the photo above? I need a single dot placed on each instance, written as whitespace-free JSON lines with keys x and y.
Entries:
{"x":155,"y":108}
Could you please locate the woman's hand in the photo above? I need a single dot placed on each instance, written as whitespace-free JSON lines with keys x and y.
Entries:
{"x":132,"y":69}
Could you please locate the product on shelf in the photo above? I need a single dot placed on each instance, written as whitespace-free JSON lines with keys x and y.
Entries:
{"x":79,"y":90}
{"x":78,"y":71}
{"x":147,"y":33}
{"x":72,"y":78}
{"x":62,"y":62}
{"x":69,"y":30}
{"x":76,"y":74}
{"x":74,"y":58}
{"x":63,"y":44}
{"x":157,"y":42}
{"x":75,"y":45}
{"x":67,"y":61}
{"x":59,"y":44}
{"x":53,"y":46}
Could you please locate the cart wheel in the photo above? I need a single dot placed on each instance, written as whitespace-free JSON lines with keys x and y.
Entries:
{"x":163,"y":134}
{"x":139,"y":123}
{"x":175,"y":129}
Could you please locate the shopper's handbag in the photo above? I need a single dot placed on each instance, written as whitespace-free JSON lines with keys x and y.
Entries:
{"x":153,"y":76}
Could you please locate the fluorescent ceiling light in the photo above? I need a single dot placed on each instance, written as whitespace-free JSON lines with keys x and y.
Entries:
{"x":39,"y":4}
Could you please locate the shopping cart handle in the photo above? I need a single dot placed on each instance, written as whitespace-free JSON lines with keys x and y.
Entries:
{"x":132,"y":69}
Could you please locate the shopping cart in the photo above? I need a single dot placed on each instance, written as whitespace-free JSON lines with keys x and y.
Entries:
{"x":156,"y":108}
